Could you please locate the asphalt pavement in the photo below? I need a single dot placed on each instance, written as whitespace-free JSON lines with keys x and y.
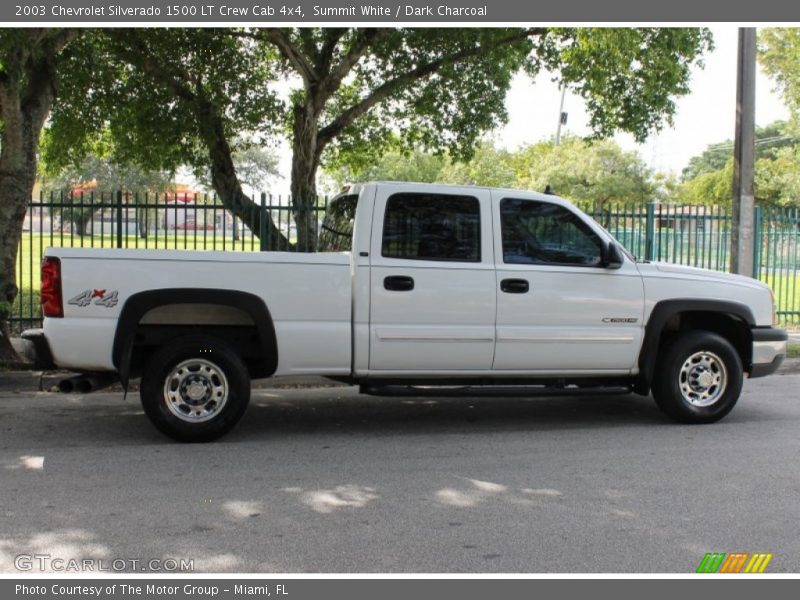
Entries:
{"x":325,"y":480}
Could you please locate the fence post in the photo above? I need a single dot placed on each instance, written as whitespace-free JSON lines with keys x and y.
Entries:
{"x":119,"y":219}
{"x":757,"y":237}
{"x":262,"y":223}
{"x":650,"y":231}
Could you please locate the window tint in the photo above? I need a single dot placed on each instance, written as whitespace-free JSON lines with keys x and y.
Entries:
{"x":544,"y":233}
{"x":336,"y":231}
{"x":432,"y":227}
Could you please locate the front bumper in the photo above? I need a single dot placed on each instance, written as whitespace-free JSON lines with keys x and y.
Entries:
{"x":769,"y":350}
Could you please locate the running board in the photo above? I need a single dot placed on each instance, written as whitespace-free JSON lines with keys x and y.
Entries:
{"x":491,"y":390}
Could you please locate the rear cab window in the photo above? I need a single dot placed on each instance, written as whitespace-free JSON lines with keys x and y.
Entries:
{"x":336,"y":231}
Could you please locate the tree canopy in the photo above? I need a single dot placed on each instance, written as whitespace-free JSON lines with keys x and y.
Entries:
{"x":779,"y":55}
{"x":595,"y":172}
{"x":709,"y":177}
{"x":346,"y":95}
{"x":769,"y":140}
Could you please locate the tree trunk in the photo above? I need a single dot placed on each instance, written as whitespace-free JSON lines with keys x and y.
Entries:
{"x":15,"y":192}
{"x":226,"y":183}
{"x":142,"y":222}
{"x":305,"y":161}
{"x":23,"y":112}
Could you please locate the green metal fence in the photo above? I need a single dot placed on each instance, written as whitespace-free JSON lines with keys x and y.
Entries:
{"x":699,"y":236}
{"x":689,"y":235}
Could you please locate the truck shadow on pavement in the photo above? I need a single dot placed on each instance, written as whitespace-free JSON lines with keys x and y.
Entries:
{"x":276,"y":412}
{"x":74,"y":420}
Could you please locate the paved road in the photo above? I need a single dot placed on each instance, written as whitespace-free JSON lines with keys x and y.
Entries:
{"x":323,"y":480}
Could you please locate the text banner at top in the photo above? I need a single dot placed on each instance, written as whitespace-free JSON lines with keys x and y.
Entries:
{"x":389,"y":12}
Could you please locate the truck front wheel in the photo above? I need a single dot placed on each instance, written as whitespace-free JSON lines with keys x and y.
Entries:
{"x":698,"y":378}
{"x":195,"y":389}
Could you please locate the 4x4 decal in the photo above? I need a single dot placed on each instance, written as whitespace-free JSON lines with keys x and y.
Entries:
{"x":100,"y":297}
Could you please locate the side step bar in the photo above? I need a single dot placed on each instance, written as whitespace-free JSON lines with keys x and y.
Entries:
{"x":491,"y":390}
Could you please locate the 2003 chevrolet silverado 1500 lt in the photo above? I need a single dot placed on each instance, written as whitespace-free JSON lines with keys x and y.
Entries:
{"x":414,"y":285}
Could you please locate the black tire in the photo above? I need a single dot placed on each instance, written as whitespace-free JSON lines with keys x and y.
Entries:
{"x":678,"y":384}
{"x":208,"y":366}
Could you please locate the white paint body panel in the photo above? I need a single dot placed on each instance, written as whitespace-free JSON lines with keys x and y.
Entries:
{"x":558,"y":325}
{"x":664,"y":281}
{"x":332,"y":315}
{"x":309,"y":298}
{"x":447,"y":322}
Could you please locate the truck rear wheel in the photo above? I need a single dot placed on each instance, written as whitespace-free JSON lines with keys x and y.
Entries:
{"x":195,"y":389}
{"x":698,"y":378}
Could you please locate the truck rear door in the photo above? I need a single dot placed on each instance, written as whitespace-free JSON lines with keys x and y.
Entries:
{"x":432,"y":281}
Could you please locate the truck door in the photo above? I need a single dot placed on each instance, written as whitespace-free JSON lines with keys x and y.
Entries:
{"x":558,"y":308}
{"x":432,"y":282}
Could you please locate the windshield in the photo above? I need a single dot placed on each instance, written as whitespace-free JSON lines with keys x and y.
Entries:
{"x":336,"y":231}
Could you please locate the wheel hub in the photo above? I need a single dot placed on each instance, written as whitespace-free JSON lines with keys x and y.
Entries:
{"x":196,"y":390}
{"x":703,"y":379}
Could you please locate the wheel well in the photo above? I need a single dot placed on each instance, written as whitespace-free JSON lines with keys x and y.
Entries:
{"x":151,"y":319}
{"x":731,"y":320}
{"x":730,"y":327}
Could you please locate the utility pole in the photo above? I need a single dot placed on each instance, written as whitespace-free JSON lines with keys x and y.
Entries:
{"x":562,"y":116}
{"x":742,"y":234}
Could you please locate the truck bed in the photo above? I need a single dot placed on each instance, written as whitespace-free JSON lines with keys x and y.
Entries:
{"x":308,"y":295}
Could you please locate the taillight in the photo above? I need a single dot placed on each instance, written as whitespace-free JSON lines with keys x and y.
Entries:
{"x":52,"y":304}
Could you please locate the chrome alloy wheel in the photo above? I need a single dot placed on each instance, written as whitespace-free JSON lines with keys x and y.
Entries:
{"x":196,"y":390}
{"x":703,"y":379}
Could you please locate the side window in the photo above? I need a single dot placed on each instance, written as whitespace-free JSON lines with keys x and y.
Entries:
{"x":432,"y":227}
{"x":542,"y":233}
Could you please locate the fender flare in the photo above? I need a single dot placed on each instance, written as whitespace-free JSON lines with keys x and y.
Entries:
{"x":139,"y":304}
{"x":661,"y":314}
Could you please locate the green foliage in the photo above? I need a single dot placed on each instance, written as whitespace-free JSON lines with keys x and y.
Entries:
{"x":393,"y":165}
{"x":710,"y":187}
{"x":594,"y":172}
{"x":779,"y":55}
{"x":438,"y":89}
{"x":489,"y":166}
{"x":777,"y":179}
{"x":5,"y":309}
{"x":582,"y":171}
{"x":628,"y":77}
{"x":157,"y":125}
{"x":708,"y":179}
{"x":769,"y":140}
{"x":108,"y":175}
{"x":255,"y":166}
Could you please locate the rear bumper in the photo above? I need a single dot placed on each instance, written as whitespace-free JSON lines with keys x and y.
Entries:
{"x":44,"y":356}
{"x":769,"y":350}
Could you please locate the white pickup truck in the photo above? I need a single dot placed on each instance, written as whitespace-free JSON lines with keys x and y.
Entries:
{"x":414,"y":285}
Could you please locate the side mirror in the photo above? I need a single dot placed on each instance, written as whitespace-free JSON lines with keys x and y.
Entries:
{"x":612,"y":256}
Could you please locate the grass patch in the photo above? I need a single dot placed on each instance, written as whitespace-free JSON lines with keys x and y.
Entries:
{"x":793,"y":351}
{"x":32,"y":246}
